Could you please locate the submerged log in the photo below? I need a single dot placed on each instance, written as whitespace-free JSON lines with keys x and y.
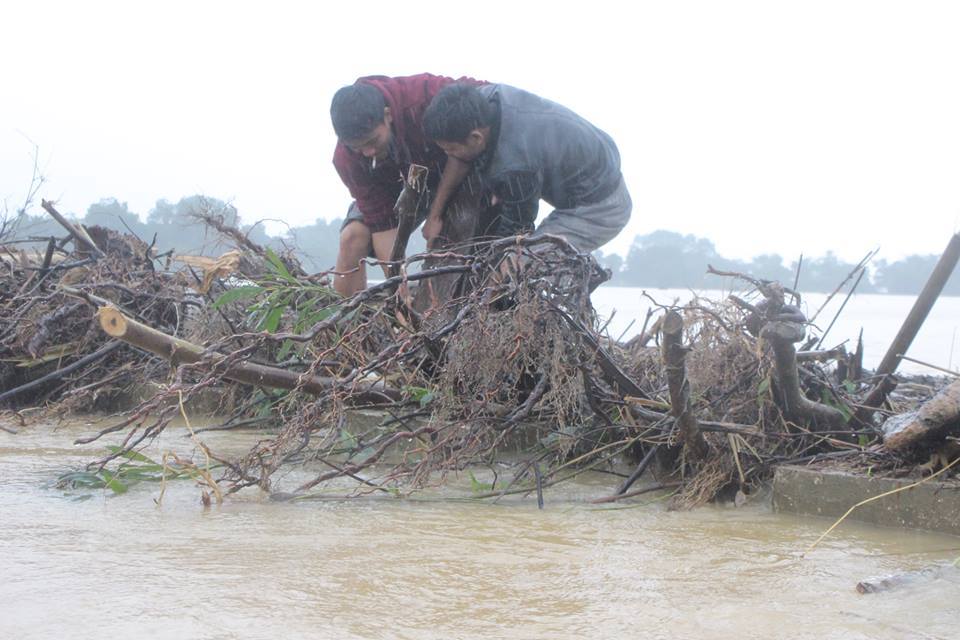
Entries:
{"x":934,"y":420}
{"x":178,"y":351}
{"x":674,"y":355}
{"x":895,"y":581}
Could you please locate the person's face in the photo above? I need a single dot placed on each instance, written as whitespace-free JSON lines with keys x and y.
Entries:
{"x":468,"y":150}
{"x":376,"y":143}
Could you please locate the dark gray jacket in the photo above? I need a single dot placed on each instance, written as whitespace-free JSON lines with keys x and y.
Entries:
{"x":540,"y":149}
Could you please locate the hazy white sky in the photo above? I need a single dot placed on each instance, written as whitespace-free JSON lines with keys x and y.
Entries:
{"x":764,"y":126}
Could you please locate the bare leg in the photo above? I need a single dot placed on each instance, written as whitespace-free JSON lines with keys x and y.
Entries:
{"x":383,"y":245}
{"x":354,"y":247}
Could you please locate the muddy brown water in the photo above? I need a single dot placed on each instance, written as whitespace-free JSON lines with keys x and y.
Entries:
{"x":77,"y":564}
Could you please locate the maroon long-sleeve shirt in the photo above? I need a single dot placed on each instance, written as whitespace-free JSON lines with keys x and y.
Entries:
{"x":376,"y":190}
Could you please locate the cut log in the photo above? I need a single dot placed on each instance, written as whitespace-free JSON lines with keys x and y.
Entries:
{"x":933,"y":421}
{"x":178,"y":351}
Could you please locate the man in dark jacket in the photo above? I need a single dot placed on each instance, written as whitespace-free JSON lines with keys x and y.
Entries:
{"x":379,"y":126}
{"x":525,"y":149}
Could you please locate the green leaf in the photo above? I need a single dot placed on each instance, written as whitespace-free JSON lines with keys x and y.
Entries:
{"x":113,"y":483}
{"x":863,"y":440}
{"x":272,"y":320}
{"x":75,"y":479}
{"x":135,"y":477}
{"x":131,"y":455}
{"x":476,"y":486}
{"x":764,"y":386}
{"x":285,"y":349}
{"x":418,"y":393}
{"x":239,"y":293}
{"x":348,"y":441}
{"x":278,"y":267}
{"x":763,"y":391}
{"x":828,"y":399}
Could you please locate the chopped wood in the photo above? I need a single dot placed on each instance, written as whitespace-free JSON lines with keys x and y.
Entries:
{"x":177,"y":351}
{"x":933,"y":421}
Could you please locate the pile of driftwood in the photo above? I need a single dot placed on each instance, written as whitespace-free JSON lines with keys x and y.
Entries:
{"x":54,"y":355}
{"x":50,"y":343}
{"x":489,"y":355}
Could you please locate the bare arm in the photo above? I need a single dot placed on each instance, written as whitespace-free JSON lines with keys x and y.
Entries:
{"x":454,"y":173}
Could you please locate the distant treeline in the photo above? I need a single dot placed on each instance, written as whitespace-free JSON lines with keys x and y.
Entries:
{"x":662,"y":259}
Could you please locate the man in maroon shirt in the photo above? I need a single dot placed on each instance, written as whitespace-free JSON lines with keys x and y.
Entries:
{"x":379,"y":126}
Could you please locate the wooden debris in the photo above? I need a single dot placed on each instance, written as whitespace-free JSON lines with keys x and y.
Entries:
{"x":411,"y":201}
{"x":178,"y":351}
{"x":674,"y":353}
{"x":911,"y":326}
{"x":227,"y":264}
{"x":931,"y":423}
{"x":909,"y":578}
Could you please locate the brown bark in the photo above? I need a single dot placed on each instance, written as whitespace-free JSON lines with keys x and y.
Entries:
{"x":408,"y":205}
{"x":855,"y":370}
{"x":99,"y":354}
{"x":932,"y":421}
{"x":80,"y":235}
{"x":781,"y":335}
{"x":674,"y":355}
{"x":178,"y":351}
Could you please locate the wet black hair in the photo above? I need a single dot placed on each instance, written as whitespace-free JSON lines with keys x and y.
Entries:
{"x":356,"y":110}
{"x":455,"y":111}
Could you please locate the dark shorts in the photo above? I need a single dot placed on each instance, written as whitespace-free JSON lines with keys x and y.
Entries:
{"x":354,"y":215}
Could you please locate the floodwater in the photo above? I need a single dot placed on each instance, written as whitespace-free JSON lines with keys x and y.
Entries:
{"x":879,"y":316}
{"x":77,"y":564}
